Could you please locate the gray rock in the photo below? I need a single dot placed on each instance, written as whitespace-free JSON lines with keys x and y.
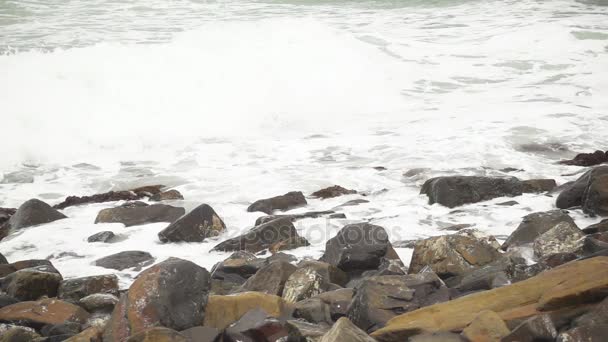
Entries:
{"x":105,"y":236}
{"x":332,"y":191}
{"x":589,"y":333}
{"x":103,"y":302}
{"x":34,"y":212}
{"x":31,"y":283}
{"x":288,"y":201}
{"x":565,"y":237}
{"x":167,"y":196}
{"x":133,"y":216}
{"x":304,"y":331}
{"x":73,"y":290}
{"x":537,"y":328}
{"x":196,"y":226}
{"x":538,"y":185}
{"x":293,"y":217}
{"x":345,"y":331}
{"x":124,"y":260}
{"x":534,"y":225}
{"x":6,"y":300}
{"x":304,"y":283}
{"x":589,"y":191}
{"x":326,"y":307}
{"x":260,"y":238}
{"x":201,"y":334}
{"x":438,"y":337}
{"x":269,"y":279}
{"x":233,"y":272}
{"x":454,"y":191}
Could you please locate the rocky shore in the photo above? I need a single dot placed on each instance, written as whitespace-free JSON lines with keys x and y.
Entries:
{"x":547,"y":281}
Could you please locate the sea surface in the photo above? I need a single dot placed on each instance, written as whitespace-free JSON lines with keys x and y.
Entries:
{"x":233,"y":101}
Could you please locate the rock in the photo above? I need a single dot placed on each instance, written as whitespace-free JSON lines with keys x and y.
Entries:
{"x":486,"y":327}
{"x":99,"y":302}
{"x":437,"y":337}
{"x":134,"y":216}
{"x":405,"y":244}
{"x":270,"y":279}
{"x":304,"y":283}
{"x":304,"y":331}
{"x":171,"y":294}
{"x":585,"y":333}
{"x":352,"y":203}
{"x":18,"y":177}
{"x":325,"y":307}
{"x":563,"y":238}
{"x":594,"y":244}
{"x":73,"y":290}
{"x":291,"y":243}
{"x":345,"y":331}
{"x":588,"y":191}
{"x":358,"y":247}
{"x":19,"y":334}
{"x":256,"y":325}
{"x":224,"y":310}
{"x":234,"y":271}
{"x":32,"y":213}
{"x":456,"y":227}
{"x":285,"y":202}
{"x":105,"y":236}
{"x":123,"y":260}
{"x":260,"y":238}
{"x":293,"y":217}
{"x":498,"y":273}
{"x":201,"y":334}
{"x":536,"y":224}
{"x":599,"y":227}
{"x":587,"y":159}
{"x":571,"y":284}
{"x":167,"y":196}
{"x":538,"y":185}
{"x":454,"y":191}
{"x":452,"y":255}
{"x":158,"y":334}
{"x":69,"y":328}
{"x":91,"y":334}
{"x":538,"y":328}
{"x":379,"y":299}
{"x":7,"y":269}
{"x":6,"y":213}
{"x":112,"y":196}
{"x":196,"y":226}
{"x":328,"y":271}
{"x":31,"y":283}
{"x":6,"y":300}
{"x":332,"y":191}
{"x":46,"y":311}
{"x":597,"y":315}
{"x":387,"y":267}
{"x":508,"y":203}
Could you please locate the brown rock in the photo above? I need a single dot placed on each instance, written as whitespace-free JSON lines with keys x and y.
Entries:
{"x":224,"y":310}
{"x":270,"y":279}
{"x":345,"y":331}
{"x":46,"y":311}
{"x":333,"y":191}
{"x":167,"y":196}
{"x":72,"y":290}
{"x":158,"y":334}
{"x":91,"y":334}
{"x":291,"y":243}
{"x":202,"y":222}
{"x":260,"y":238}
{"x":31,"y":283}
{"x":288,"y":201}
{"x":486,"y":327}
{"x":538,"y":185}
{"x":134,"y":216}
{"x":587,"y":159}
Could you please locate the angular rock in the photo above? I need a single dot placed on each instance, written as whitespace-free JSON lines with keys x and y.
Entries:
{"x":234,"y":271}
{"x":69,"y":328}
{"x":7,"y":269}
{"x":19,"y":334}
{"x":293,"y":217}
{"x":291,"y":243}
{"x":587,"y":159}
{"x":112,"y":196}
{"x":599,"y":227}
{"x":31,"y":283}
{"x":288,"y":201}
{"x":498,"y":273}
{"x":73,"y":290}
{"x":304,"y":283}
{"x":158,"y":334}
{"x":584,"y":333}
{"x":595,"y":197}
{"x":201,"y":334}
{"x":91,"y":334}
{"x":536,"y":224}
{"x":269,"y":279}
{"x":256,"y":325}
{"x":345,"y":331}
{"x":587,"y":191}
{"x":379,"y":299}
{"x":167,"y":196}
{"x":123,"y":260}
{"x":326,"y":307}
{"x":99,"y":302}
{"x":452,"y":255}
{"x":437,"y":337}
{"x":332,"y":191}
{"x":571,"y":284}
{"x":32,"y":213}
{"x":304,"y":331}
{"x":487,"y":326}
{"x":538,"y":185}
{"x":6,"y":300}
{"x":454,"y":191}
{"x":196,"y":226}
{"x":46,"y":311}
{"x":134,"y":216}
{"x":260,"y":238}
{"x":538,"y":328}
{"x":105,"y":236}
{"x":224,"y":310}
{"x":358,"y":247}
{"x":171,"y":294}
{"x":563,"y":238}
{"x":328,"y":271}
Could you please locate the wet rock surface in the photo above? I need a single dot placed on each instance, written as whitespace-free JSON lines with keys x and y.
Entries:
{"x":454,"y":191}
{"x":332,"y":191}
{"x":32,"y":213}
{"x":138,"y":215}
{"x":124,"y":260}
{"x":196,"y":226}
{"x":288,"y":201}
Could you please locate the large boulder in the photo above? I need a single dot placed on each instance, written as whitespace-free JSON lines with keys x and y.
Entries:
{"x":563,"y":238}
{"x":589,"y":191}
{"x":288,"y":201}
{"x":73,"y":290}
{"x":454,"y":191}
{"x":345,"y":331}
{"x":270,"y":279}
{"x":332,"y":191}
{"x":127,"y":259}
{"x":33,"y":212}
{"x":46,"y":311}
{"x":32,"y":283}
{"x":452,"y":255}
{"x":534,"y":225}
{"x":134,"y":216}
{"x":358,"y":247}
{"x":196,"y":226}
{"x":224,"y":310}
{"x":574,"y":283}
{"x":171,"y":294}
{"x":260,"y":238}
{"x":379,"y":299}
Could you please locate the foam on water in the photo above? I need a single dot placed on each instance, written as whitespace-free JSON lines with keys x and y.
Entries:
{"x":266,"y":98}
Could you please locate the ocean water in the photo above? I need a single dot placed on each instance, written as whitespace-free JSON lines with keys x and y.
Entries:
{"x":232,"y":101}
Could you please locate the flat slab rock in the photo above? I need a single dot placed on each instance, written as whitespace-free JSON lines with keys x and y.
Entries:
{"x":454,"y":191}
{"x":138,"y":215}
{"x":124,"y":260}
